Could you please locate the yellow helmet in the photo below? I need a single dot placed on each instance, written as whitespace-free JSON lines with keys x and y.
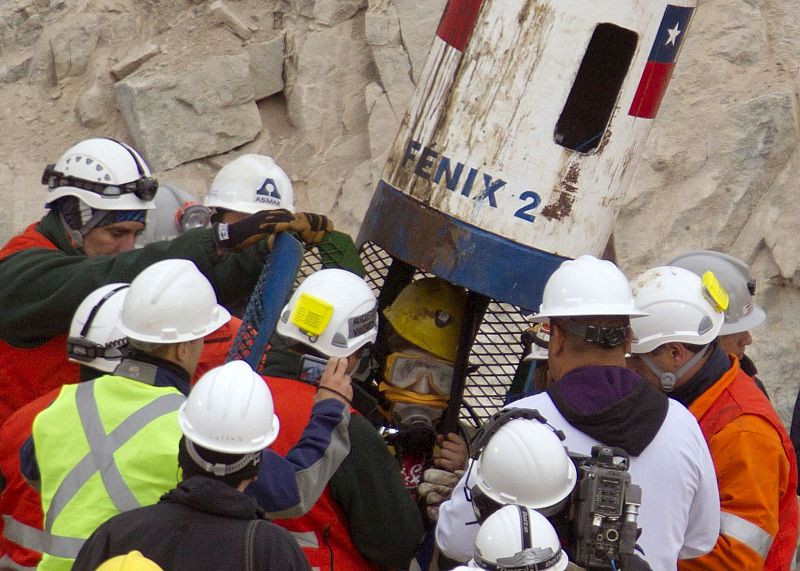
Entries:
{"x":428,"y":313}
{"x":133,"y":561}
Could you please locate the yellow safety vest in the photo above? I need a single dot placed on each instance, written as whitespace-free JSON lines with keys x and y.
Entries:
{"x":103,"y":447}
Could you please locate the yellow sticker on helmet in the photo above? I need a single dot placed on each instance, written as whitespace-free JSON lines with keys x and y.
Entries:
{"x":311,"y":314}
{"x":714,"y":292}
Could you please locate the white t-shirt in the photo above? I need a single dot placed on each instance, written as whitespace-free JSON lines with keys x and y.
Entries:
{"x":679,"y":515}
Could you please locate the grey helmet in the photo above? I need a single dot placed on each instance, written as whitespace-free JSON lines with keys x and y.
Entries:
{"x":734,"y":275}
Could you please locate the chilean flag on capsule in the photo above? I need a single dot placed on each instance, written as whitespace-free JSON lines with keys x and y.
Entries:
{"x":661,"y":61}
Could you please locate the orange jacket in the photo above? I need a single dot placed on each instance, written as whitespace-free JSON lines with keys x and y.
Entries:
{"x":756,"y":473}
{"x":20,"y":504}
{"x":26,"y":374}
{"x":216,"y":346}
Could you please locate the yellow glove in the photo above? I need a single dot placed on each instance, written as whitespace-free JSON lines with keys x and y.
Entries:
{"x":311,"y":227}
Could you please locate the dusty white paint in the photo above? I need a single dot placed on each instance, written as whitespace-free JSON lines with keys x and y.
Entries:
{"x":496,"y":114}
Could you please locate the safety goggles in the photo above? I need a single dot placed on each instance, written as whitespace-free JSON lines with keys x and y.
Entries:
{"x":82,"y":349}
{"x":421,"y":374}
{"x":143,"y":188}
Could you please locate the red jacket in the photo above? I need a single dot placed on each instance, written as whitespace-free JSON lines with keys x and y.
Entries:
{"x":757,"y":475}
{"x":28,"y":373}
{"x":322,"y":532}
{"x":20,"y":504}
{"x":216,"y":346}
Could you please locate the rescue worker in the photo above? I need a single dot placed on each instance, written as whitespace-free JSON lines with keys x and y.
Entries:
{"x":254,"y":183}
{"x":208,"y":521}
{"x":97,"y":345}
{"x":675,"y":349}
{"x":595,"y":399}
{"x":364,"y":519}
{"x":98,"y":193}
{"x":516,"y":537}
{"x":522,"y":462}
{"x":170,"y":306}
{"x":177,"y":211}
{"x":513,"y":451}
{"x":742,"y":314}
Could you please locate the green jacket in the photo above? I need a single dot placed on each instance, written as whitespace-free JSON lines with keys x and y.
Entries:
{"x":42,"y":288}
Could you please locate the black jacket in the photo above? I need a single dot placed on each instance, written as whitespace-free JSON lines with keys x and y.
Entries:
{"x":201,"y":524}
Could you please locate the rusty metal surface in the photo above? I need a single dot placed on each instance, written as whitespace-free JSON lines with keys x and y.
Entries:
{"x":478,"y":140}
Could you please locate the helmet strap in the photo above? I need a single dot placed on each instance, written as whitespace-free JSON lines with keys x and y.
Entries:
{"x":221,"y":469}
{"x":667,"y":378}
{"x":75,"y":236}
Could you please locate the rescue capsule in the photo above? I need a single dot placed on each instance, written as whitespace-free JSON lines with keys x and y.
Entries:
{"x":522,"y":137}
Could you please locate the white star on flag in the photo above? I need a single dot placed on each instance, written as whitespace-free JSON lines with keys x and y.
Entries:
{"x":673,"y":34}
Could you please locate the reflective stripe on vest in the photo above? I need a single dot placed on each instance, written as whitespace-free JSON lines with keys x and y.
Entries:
{"x":37,"y":540}
{"x":101,"y":453}
{"x":7,"y":563}
{"x":306,"y":539}
{"x":746,"y":532}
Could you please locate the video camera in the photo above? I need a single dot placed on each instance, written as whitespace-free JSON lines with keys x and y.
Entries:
{"x":604,"y":511}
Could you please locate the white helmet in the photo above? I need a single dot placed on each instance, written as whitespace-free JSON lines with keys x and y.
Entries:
{"x":250,"y":184}
{"x":516,"y":537}
{"x":230,"y":410}
{"x":95,"y":339}
{"x":682,"y":307}
{"x":171,"y":302}
{"x":333,"y":311}
{"x":734,"y":275}
{"x":176,"y":211}
{"x":524,"y":463}
{"x":103,"y":173}
{"x":586,"y":287}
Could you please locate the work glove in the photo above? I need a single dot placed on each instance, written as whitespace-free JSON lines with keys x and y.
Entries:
{"x":262,"y":225}
{"x":437,"y":487}
{"x":311,"y":228}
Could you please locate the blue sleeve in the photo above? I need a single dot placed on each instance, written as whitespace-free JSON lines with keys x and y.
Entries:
{"x":289,"y":486}
{"x":27,"y":463}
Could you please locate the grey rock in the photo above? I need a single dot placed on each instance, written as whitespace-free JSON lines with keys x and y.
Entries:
{"x":226,"y":15}
{"x":418,"y":23}
{"x":332,"y":12}
{"x":73,"y":47}
{"x":42,"y":67}
{"x":12,"y":72}
{"x":95,"y":106}
{"x":266,"y":66}
{"x":206,"y":109}
{"x":135,"y":60}
{"x":326,"y":77}
{"x":382,"y":27}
